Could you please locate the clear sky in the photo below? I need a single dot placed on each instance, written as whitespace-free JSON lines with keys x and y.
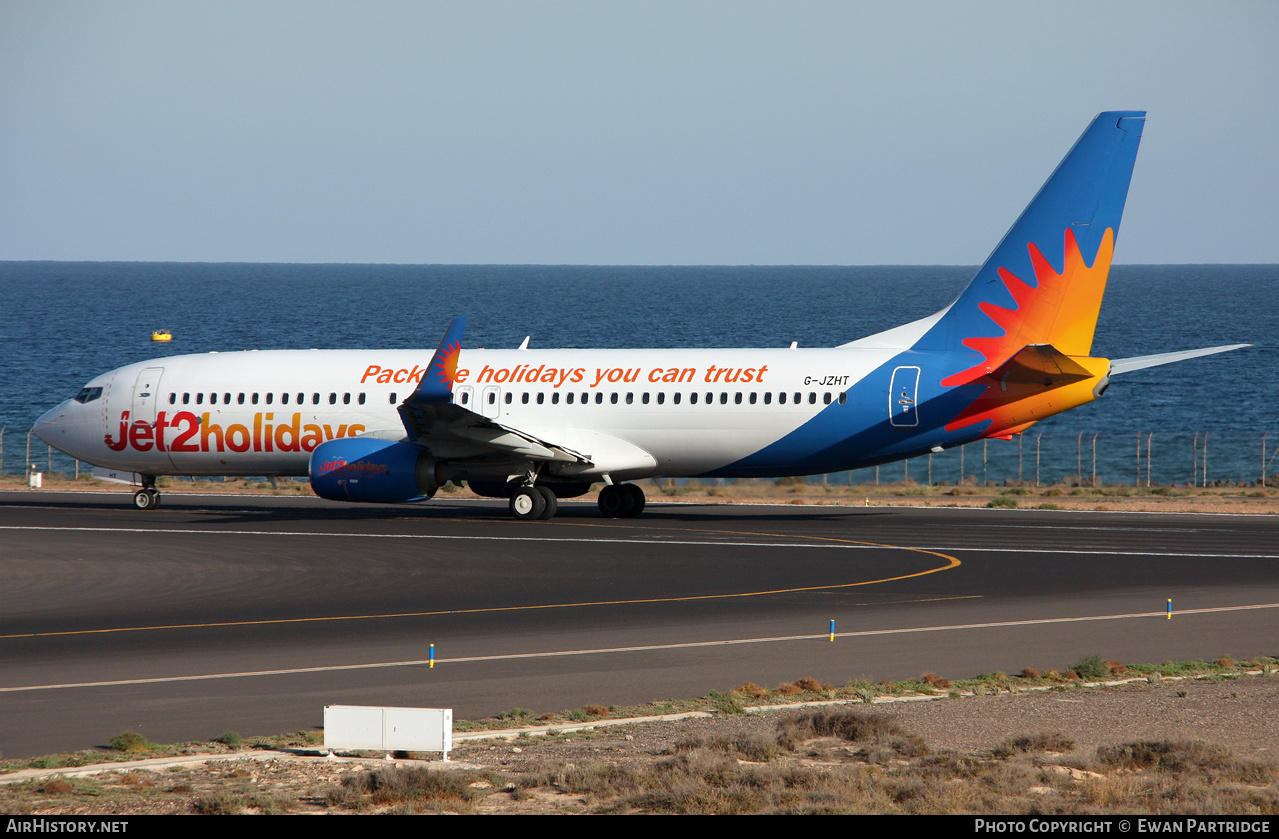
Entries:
{"x":620,"y":132}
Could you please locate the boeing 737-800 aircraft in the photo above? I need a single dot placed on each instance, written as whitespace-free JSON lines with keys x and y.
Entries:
{"x":537,"y":425}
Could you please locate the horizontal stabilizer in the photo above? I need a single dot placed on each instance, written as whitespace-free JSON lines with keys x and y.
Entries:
{"x":1140,"y":362}
{"x":1040,"y":364}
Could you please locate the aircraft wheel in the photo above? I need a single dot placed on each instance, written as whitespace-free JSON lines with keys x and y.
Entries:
{"x":527,"y":504}
{"x":616,"y":502}
{"x":146,"y":499}
{"x":552,"y":503}
{"x":637,"y":500}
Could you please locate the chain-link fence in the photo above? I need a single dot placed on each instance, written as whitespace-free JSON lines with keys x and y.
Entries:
{"x":1146,"y":458}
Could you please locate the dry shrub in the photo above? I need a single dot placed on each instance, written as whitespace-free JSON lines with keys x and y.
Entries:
{"x":413,"y":789}
{"x":788,"y":689}
{"x":1225,"y":661}
{"x":1040,"y":742}
{"x":1111,"y":790}
{"x":1165,"y":755}
{"x":56,"y":786}
{"x":933,"y":680}
{"x":1117,"y":668}
{"x":752,"y":690}
{"x":851,"y":725}
{"x":748,"y":746}
{"x":595,"y":710}
{"x":1029,"y":673}
{"x":809,"y":684}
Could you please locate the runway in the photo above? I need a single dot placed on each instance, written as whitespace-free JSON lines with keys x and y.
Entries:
{"x":250,"y":613}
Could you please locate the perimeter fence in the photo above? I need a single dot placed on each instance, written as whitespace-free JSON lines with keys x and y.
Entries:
{"x":1146,"y":458}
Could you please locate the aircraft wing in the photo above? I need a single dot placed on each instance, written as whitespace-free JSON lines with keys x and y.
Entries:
{"x":448,"y":430}
{"x":1140,"y":362}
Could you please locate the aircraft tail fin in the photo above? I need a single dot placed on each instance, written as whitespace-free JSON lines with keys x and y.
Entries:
{"x":1044,"y":282}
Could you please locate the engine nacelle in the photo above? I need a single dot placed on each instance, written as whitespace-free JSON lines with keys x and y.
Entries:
{"x":371,"y":469}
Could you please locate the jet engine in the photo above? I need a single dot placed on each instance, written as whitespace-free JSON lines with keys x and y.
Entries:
{"x":372,"y":469}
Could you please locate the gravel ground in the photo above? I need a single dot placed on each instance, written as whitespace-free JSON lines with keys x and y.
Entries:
{"x":1237,"y":713}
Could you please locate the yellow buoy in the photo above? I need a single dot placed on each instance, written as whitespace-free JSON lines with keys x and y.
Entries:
{"x":161,"y":335}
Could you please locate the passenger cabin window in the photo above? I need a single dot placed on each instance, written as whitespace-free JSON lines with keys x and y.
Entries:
{"x":541,"y":397}
{"x":315,"y":399}
{"x":361,"y":399}
{"x":213,"y":399}
{"x":333,"y":398}
{"x":284,"y":399}
{"x":199,"y":399}
{"x":392,"y":399}
{"x":173,"y":398}
{"x":239,"y":399}
{"x":346,"y":399}
{"x":843,"y":398}
{"x":270,"y":397}
{"x":301,"y":398}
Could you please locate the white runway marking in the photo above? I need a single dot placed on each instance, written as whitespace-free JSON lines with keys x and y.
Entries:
{"x":446,"y":662}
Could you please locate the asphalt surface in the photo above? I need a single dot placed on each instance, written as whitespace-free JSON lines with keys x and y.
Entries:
{"x":253,"y":613}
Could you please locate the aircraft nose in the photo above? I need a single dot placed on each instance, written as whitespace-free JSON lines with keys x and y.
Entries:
{"x":52,"y":424}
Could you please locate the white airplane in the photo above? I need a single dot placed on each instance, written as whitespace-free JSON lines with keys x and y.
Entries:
{"x":537,"y":425}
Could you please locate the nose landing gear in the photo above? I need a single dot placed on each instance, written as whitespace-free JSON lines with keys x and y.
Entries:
{"x":147,"y":498}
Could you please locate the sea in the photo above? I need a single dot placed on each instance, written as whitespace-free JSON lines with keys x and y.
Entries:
{"x":1213,"y":419}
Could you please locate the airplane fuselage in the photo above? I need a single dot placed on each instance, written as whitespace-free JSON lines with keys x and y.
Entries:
{"x":633,"y":413}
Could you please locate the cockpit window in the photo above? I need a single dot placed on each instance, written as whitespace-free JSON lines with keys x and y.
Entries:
{"x":88,"y":394}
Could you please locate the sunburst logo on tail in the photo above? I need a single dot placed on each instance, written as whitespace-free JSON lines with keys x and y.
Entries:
{"x":1060,"y":309}
{"x":445,"y":365}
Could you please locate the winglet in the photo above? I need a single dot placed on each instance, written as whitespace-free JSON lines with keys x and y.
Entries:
{"x":437,"y":381}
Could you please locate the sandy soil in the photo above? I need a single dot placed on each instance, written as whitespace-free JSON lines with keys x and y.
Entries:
{"x":1232,"y":712}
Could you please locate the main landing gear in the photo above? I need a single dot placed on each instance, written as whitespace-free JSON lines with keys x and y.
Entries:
{"x":621,"y":501}
{"x":147,"y":498}
{"x":530,"y":503}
